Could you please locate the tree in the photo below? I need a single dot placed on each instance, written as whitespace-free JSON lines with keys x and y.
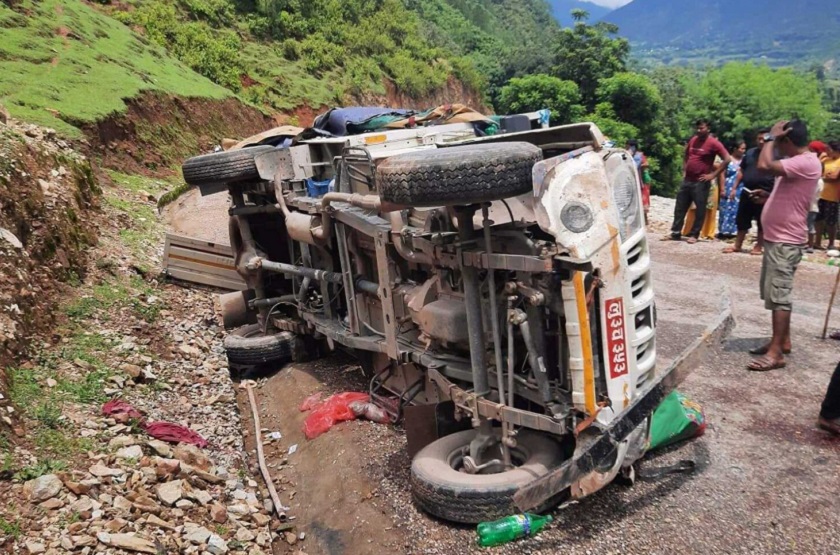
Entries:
{"x":633,"y":97}
{"x":586,"y":54}
{"x":740,"y":97}
{"x":580,"y":15}
{"x":535,"y":92}
{"x":672,"y":128}
{"x":619,"y":132}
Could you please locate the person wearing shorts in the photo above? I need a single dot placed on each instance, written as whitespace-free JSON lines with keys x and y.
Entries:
{"x":784,"y":220}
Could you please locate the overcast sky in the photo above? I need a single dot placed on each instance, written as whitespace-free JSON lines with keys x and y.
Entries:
{"x":610,"y":3}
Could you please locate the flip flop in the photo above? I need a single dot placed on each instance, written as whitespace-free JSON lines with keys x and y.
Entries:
{"x":763,"y":350}
{"x":731,"y":250}
{"x":691,"y":240}
{"x":763,"y":365}
{"x":670,"y":238}
{"x":756,"y":253}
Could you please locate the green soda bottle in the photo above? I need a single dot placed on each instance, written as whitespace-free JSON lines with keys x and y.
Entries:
{"x":511,"y":528}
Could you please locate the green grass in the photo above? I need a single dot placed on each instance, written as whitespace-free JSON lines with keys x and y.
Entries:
{"x":86,"y":74}
{"x":144,"y":232}
{"x":286,"y":84}
{"x":139,"y":183}
{"x":54,"y":442}
{"x":45,"y":466}
{"x":10,"y":529}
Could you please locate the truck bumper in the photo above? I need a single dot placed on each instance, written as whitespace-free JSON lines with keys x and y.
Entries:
{"x":597,"y":446}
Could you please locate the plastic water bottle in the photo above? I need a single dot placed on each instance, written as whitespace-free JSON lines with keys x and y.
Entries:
{"x":511,"y":528}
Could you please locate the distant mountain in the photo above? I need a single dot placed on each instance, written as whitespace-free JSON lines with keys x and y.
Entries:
{"x":561,"y":10}
{"x":779,"y":31}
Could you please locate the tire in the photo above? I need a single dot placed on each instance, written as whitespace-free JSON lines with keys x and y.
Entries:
{"x":443,"y":491}
{"x":458,"y":175}
{"x":247,"y":346}
{"x":223,"y":167}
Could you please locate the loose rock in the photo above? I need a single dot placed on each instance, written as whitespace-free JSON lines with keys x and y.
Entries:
{"x":42,"y":488}
{"x":170,"y":492}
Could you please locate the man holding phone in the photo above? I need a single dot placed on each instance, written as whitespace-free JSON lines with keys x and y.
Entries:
{"x":784,"y":154}
{"x":750,"y":204}
{"x":699,"y":174}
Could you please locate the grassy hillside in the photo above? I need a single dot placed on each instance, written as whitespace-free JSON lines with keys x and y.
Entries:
{"x":284,"y":53}
{"x":63,"y":63}
{"x":499,"y":39}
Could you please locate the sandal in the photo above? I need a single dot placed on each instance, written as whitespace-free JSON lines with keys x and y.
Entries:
{"x":832,"y":426}
{"x":756,"y":253}
{"x":835,"y":335}
{"x":691,"y":240}
{"x":763,"y":364}
{"x":763,"y":349}
{"x":730,"y":250}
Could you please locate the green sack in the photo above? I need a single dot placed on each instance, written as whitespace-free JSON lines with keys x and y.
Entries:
{"x":675,"y":419}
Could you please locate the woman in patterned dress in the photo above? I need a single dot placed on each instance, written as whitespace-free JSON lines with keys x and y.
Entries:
{"x":730,"y":194}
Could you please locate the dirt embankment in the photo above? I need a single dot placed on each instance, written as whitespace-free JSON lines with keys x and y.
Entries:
{"x":157,"y":132}
{"x":47,"y":192}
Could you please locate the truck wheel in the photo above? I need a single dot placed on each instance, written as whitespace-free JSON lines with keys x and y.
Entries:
{"x":223,"y":167}
{"x":441,"y":488}
{"x":458,"y":175}
{"x":248,"y":346}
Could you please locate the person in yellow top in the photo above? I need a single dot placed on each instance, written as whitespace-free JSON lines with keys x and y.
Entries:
{"x":830,"y":197}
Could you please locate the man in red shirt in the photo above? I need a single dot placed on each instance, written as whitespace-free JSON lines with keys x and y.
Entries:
{"x":699,"y":174}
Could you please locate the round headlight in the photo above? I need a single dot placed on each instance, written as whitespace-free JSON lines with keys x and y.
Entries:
{"x":577,"y":217}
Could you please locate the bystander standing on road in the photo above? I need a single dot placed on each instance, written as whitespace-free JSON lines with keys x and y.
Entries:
{"x":813,"y":212}
{"x":829,"y":418}
{"x":784,"y":219}
{"x":730,"y":193}
{"x":829,"y":203}
{"x":751,"y":179}
{"x":699,"y":175}
{"x":642,"y":165}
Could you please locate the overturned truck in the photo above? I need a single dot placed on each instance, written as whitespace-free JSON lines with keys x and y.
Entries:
{"x":495,"y":287}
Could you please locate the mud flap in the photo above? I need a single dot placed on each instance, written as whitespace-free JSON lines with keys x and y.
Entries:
{"x":426,"y":423}
{"x":592,"y":451}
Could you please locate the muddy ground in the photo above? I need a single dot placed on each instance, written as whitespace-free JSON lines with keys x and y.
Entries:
{"x":766,"y":478}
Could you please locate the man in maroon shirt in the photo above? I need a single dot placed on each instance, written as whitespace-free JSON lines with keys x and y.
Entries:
{"x":699,"y":174}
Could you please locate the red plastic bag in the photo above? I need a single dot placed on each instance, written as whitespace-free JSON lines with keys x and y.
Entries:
{"x":310,"y":402}
{"x":334,"y":409}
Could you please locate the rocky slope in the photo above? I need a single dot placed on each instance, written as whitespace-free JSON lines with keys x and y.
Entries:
{"x":74,"y":479}
{"x":47,"y":195}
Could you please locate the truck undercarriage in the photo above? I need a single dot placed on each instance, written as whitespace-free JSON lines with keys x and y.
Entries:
{"x":504,"y":278}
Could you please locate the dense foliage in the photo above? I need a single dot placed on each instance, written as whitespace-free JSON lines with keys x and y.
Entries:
{"x":281,"y":53}
{"x":535,"y":92}
{"x":353,"y":47}
{"x":658,"y":107}
{"x":586,"y":54}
